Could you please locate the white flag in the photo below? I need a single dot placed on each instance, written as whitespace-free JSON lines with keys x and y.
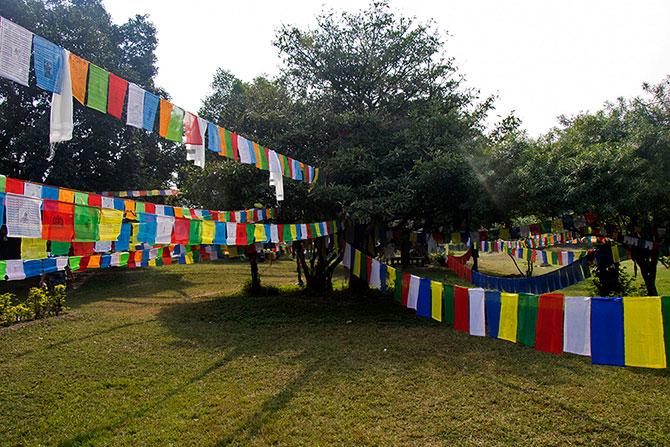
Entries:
{"x":15,"y":45}
{"x":24,"y":218}
{"x":62,"y":121}
{"x":135,"y":109}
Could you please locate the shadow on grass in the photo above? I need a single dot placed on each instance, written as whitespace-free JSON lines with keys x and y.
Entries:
{"x":344,"y":335}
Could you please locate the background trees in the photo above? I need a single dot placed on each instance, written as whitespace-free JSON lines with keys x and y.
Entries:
{"x":104,"y":153}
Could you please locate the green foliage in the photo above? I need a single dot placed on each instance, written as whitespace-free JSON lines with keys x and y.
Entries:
{"x":614,"y":280}
{"x":104,"y":153}
{"x":56,"y":299}
{"x":37,"y":302}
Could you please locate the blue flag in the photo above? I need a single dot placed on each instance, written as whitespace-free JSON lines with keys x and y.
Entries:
{"x":48,"y":61}
{"x":607,"y":342}
{"x":149,"y":113}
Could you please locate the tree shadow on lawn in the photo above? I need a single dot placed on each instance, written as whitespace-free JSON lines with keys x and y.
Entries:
{"x":348,"y":334}
{"x":345,"y":336}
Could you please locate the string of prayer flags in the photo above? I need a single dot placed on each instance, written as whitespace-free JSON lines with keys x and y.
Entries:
{"x":117,"y":95}
{"x":643,"y":332}
{"x":607,"y":333}
{"x":15,"y":44}
{"x":48,"y":63}
{"x":98,"y":84}
{"x":476,"y":307}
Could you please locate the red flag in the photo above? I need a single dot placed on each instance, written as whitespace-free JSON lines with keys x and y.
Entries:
{"x":549,"y":327}
{"x":280,"y":232}
{"x":57,"y":221}
{"x":150,"y":208}
{"x":192,"y":130}
{"x":117,"y":95}
{"x":14,"y":186}
{"x":95,"y":200}
{"x":241,"y":234}
{"x":233,"y":143}
{"x":406,"y":277}
{"x":182,"y":228}
{"x":461,"y":309}
{"x":83,"y":248}
{"x":368,"y":264}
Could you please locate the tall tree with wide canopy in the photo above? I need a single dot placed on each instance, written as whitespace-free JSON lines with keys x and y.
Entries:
{"x":104,"y":153}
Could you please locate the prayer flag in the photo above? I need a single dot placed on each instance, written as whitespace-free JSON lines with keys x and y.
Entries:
{"x":15,"y":44}
{"x":527,"y":319}
{"x":245,"y":150}
{"x":436,"y":291}
{"x":449,"y":299}
{"x":135,"y":107}
{"x":164,"y":226}
{"x":117,"y":95}
{"x":195,"y":232}
{"x":357,"y":264}
{"x":643,"y":332}
{"x":59,"y":248}
{"x":48,"y":63}
{"x":461,"y":311}
{"x":181,"y":231}
{"x":57,"y":221}
{"x":208,"y":229}
{"x":375,"y":277}
{"x":61,"y":118}
{"x":476,"y":312}
{"x":151,"y":103}
{"x":492,"y":303}
{"x":549,"y":328}
{"x":509,"y":305}
{"x":147,"y":229}
{"x":110,"y":224}
{"x":165,"y":115}
{"x":24,"y":218}
{"x":123,"y":241}
{"x":86,"y":223}
{"x":577,"y":325}
{"x":175,"y":129}
{"x":79,"y":76}
{"x":406,"y":278}
{"x":98,"y":82}
{"x":33,"y":248}
{"x":413,"y":294}
{"x":607,"y":332}
{"x":14,"y":267}
{"x":102,"y":246}
{"x":231,"y":233}
{"x":665,"y":309}
{"x":424,"y":301}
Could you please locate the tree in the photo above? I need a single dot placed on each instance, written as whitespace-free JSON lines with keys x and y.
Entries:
{"x":104,"y":153}
{"x":614,"y":162}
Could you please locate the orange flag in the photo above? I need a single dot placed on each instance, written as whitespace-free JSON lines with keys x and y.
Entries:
{"x":79,"y":75}
{"x":164,"y":119}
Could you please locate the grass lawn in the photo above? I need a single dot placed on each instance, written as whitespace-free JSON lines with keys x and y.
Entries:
{"x":176,"y":356}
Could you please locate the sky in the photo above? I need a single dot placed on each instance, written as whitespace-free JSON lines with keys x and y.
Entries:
{"x":542,"y":59}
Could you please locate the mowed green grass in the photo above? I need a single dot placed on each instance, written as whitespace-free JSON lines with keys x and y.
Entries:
{"x":176,"y":356}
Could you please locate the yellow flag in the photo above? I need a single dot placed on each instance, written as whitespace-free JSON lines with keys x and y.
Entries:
{"x":357,"y":263}
{"x":189,"y":257}
{"x":436,"y":289}
{"x":390,"y":276}
{"x":208,"y":228}
{"x":294,"y":232}
{"x":259,"y":233}
{"x":110,"y":224}
{"x":32,"y":248}
{"x":643,"y":332}
{"x":509,"y":306}
{"x":133,"y":236}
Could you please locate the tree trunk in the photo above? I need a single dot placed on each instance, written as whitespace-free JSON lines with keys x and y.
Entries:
{"x":253,"y":263}
{"x":647,"y":260}
{"x":318,"y":270}
{"x":475,"y":258}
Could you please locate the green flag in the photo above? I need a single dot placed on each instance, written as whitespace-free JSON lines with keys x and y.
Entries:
{"x":195,"y":232}
{"x":73,"y":262}
{"x":287,"y":233}
{"x":448,"y":305}
{"x":59,"y":248}
{"x":228,"y":144}
{"x":665,"y":311}
{"x":123,"y":259}
{"x":527,"y":319}
{"x":264,"y":164}
{"x":86,"y":223}
{"x":98,"y":81}
{"x":80,"y":198}
{"x":175,"y":128}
